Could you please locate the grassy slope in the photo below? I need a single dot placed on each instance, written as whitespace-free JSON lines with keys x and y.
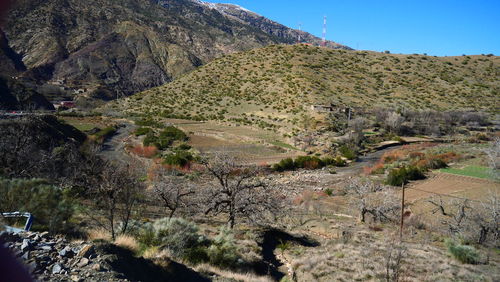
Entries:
{"x":275,"y":86}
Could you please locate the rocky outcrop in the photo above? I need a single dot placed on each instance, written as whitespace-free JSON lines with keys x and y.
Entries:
{"x":54,"y":258}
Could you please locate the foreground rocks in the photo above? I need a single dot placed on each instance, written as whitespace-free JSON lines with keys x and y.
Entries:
{"x":55,"y":258}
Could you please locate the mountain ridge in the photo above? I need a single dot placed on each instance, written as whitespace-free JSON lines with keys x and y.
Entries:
{"x":106,"y":49}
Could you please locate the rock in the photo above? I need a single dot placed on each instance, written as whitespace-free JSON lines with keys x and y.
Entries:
{"x":83,"y":262}
{"x":26,"y":255}
{"x":46,"y":248}
{"x":76,"y":278}
{"x":26,"y":246}
{"x":86,"y":251}
{"x":66,"y":252}
{"x":96,"y":267}
{"x":57,"y":268}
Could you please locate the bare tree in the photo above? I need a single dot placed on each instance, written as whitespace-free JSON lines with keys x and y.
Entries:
{"x":393,"y":122}
{"x":357,"y":126}
{"x":493,"y":153}
{"x":171,"y":190}
{"x":394,"y":258}
{"x":477,"y":221}
{"x":116,"y":192}
{"x":238,"y":190}
{"x":371,"y":198}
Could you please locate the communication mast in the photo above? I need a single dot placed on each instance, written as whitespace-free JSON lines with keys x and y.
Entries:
{"x":324,"y":31}
{"x":300,"y":31}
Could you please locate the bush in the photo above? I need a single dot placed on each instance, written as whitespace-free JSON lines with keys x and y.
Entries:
{"x":284,"y":164}
{"x":105,"y":132}
{"x":308,"y":162}
{"x":177,"y":235}
{"x":179,"y":158}
{"x":51,"y":206}
{"x":142,"y":131}
{"x":463,"y":253}
{"x":174,"y":133}
{"x":223,"y":252}
{"x":398,"y":176}
{"x":347,"y":152}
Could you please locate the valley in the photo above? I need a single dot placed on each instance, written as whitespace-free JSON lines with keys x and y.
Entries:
{"x":184,"y":140}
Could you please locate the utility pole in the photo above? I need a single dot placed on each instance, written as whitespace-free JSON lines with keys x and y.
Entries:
{"x":402,"y":212}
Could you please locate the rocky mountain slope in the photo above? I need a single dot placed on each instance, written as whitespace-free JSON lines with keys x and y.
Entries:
{"x":277,"y":86}
{"x":272,"y":27}
{"x":105,"y":48}
{"x":14,"y":94}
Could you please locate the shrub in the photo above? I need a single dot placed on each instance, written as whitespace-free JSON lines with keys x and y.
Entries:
{"x":174,"y":133}
{"x":142,"y":131}
{"x":105,"y":133}
{"x":179,"y":158}
{"x":398,"y":176}
{"x":51,"y":206}
{"x":308,"y":162}
{"x":223,"y":252}
{"x":150,"y":140}
{"x":347,"y":152}
{"x":148,"y":122}
{"x":177,"y":235}
{"x":463,"y":253}
{"x":146,"y":152}
{"x":284,"y":164}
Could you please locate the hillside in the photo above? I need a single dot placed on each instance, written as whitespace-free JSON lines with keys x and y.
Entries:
{"x":106,"y":48}
{"x":275,"y":87}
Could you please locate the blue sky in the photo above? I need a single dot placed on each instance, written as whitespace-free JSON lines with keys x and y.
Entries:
{"x":435,"y":27}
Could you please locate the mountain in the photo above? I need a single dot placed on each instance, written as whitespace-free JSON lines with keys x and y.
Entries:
{"x":14,"y":94}
{"x":106,"y":48}
{"x":277,"y":86}
{"x":271,"y":27}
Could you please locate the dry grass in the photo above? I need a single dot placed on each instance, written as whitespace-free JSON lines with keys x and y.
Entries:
{"x":127,"y":242}
{"x":245,"y":277}
{"x":98,"y":234}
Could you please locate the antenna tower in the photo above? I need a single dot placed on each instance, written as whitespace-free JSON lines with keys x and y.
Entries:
{"x":324,"y":31}
{"x":300,"y":30}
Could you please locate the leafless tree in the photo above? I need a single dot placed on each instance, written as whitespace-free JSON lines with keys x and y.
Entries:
{"x":238,"y":190}
{"x":394,"y":258}
{"x":116,"y":192}
{"x":493,"y":154}
{"x":171,"y":190}
{"x":357,"y":126}
{"x":477,"y":221}
{"x":393,"y":122}
{"x":439,"y":204}
{"x":375,"y":199}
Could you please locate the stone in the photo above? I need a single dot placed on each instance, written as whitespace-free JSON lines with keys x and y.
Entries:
{"x":96,"y":267}
{"x":66,"y":252}
{"x":83,"y":262}
{"x":57,"y":268}
{"x":46,"y":248}
{"x":26,"y":246}
{"x":86,"y":251}
{"x":26,"y":255}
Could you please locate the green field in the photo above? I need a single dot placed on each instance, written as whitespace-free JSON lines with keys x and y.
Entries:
{"x":472,"y":170}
